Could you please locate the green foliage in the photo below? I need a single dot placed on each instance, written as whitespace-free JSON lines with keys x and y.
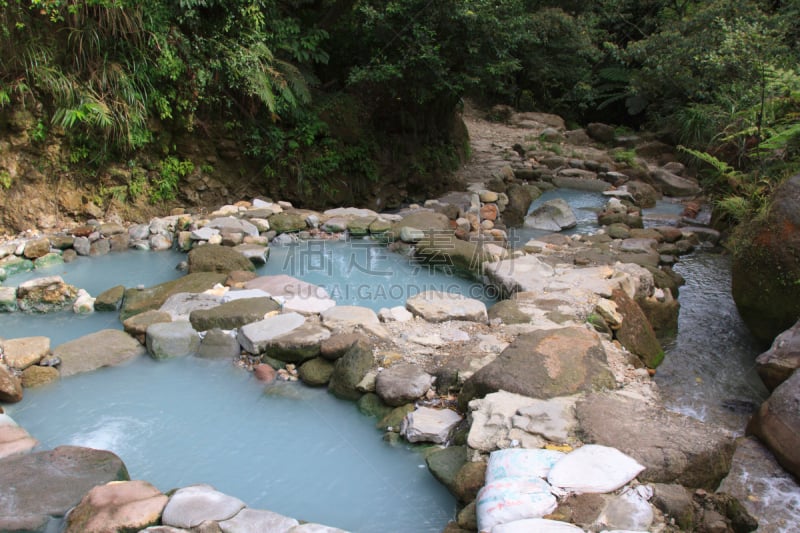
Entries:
{"x":171,"y":170}
{"x":626,"y":156}
{"x":5,"y":179}
{"x":39,"y":132}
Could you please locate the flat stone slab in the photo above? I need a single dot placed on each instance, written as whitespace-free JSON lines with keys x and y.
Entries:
{"x":26,"y":351}
{"x":298,"y":345}
{"x":171,"y":339}
{"x":117,"y":506}
{"x":50,"y":483}
{"x":233,"y":314}
{"x":426,"y":424}
{"x":402,"y":383}
{"x":257,"y":521}
{"x":436,"y":306}
{"x":233,"y":225}
{"x":180,"y":306}
{"x":544,"y":364}
{"x":352,"y":212}
{"x":255,"y":337}
{"x":256,"y":253}
{"x":552,"y":215}
{"x":141,"y":300}
{"x":108,"y":347}
{"x":345,"y":317}
{"x":191,"y":506}
{"x":297,"y":295}
{"x":674,"y":448}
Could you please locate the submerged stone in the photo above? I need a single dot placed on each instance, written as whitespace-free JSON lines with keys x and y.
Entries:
{"x":108,"y":347}
{"x":48,"y":484}
{"x":171,"y":339}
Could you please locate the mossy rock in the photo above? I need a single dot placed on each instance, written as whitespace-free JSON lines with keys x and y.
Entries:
{"x":287,"y":222}
{"x":140,"y":300}
{"x":216,"y":258}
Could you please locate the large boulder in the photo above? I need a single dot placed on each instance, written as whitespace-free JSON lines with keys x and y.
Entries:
{"x":402,"y":383}
{"x":48,"y":484}
{"x":108,"y":347}
{"x":777,"y":421}
{"x":141,"y":300}
{"x":544,"y":364}
{"x":193,"y":505}
{"x":673,"y":185}
{"x":45,"y":295}
{"x":426,"y":424}
{"x":635,"y":332}
{"x":766,"y":265}
{"x":552,"y":215}
{"x":171,"y":339}
{"x":519,"y":200}
{"x":447,"y":251}
{"x":117,"y":506}
{"x":255,"y":337}
{"x":674,"y":448}
{"x":216,"y":258}
{"x":233,"y":314}
{"x":437,"y":306}
{"x":350,"y":369}
{"x":426,"y":223}
{"x":287,"y":222}
{"x":25,"y":351}
{"x":778,"y":363}
{"x":298,"y":345}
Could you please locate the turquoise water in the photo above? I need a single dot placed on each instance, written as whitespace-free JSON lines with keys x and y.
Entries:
{"x":297,"y":451}
{"x":302,"y":453}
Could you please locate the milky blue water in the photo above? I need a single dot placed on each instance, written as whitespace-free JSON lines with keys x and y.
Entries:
{"x":293,"y":450}
{"x":296,"y":451}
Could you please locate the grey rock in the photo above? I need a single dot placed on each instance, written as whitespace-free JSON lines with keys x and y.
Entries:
{"x":171,"y":339}
{"x":674,"y":185}
{"x":778,"y":363}
{"x":233,"y":225}
{"x":777,"y":421}
{"x":445,"y":463}
{"x":233,"y":314}
{"x":255,"y":337}
{"x":193,"y":505}
{"x":216,"y":258}
{"x":218,"y":344}
{"x":402,"y":383}
{"x":138,"y":301}
{"x":180,"y":306}
{"x":299,"y":344}
{"x":256,"y":253}
{"x":544,"y":364}
{"x":49,"y":483}
{"x":426,"y":424}
{"x":552,"y":215}
{"x":350,"y":369}
{"x":674,"y":448}
{"x":108,"y":347}
{"x":82,"y":245}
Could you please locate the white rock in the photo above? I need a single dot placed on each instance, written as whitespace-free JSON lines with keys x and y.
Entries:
{"x":395,"y":314}
{"x":84,"y":303}
{"x":348,"y":317}
{"x":425,"y":424}
{"x":193,"y":505}
{"x":204,"y":233}
{"x":257,"y":521}
{"x":553,"y":419}
{"x":492,"y":422}
{"x":436,"y":306}
{"x":180,"y":305}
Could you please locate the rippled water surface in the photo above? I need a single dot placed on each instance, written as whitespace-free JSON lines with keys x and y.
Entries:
{"x":709,"y":369}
